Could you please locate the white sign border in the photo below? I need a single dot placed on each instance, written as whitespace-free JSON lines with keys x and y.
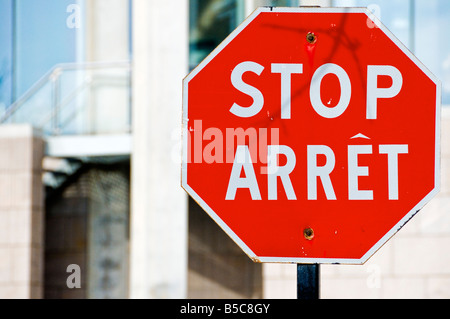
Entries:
{"x":296,"y":260}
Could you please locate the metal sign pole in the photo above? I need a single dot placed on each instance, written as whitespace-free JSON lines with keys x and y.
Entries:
{"x":308,"y":281}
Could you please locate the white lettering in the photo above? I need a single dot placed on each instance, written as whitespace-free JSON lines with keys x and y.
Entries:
{"x":73,"y":21}
{"x":74,"y":280}
{"x":374,"y":92}
{"x":286,"y":70}
{"x":392,"y":151}
{"x":242,"y":160}
{"x":274,"y":171}
{"x":323,"y":172}
{"x":354,"y":171}
{"x":346,"y":91}
{"x":238,"y":83}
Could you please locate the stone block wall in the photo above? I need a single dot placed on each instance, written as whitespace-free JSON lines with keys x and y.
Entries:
{"x":21,"y":212}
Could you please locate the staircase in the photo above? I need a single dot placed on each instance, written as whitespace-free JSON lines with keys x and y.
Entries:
{"x":84,"y":114}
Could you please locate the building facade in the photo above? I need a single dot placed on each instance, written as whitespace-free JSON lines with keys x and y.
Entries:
{"x":90,"y":198}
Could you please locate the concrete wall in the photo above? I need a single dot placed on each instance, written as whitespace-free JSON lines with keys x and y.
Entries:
{"x":415,"y":263}
{"x":21,"y":212}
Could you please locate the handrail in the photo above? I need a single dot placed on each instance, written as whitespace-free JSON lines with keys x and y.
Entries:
{"x":55,"y":73}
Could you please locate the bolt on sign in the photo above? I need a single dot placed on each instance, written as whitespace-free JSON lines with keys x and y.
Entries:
{"x":311,"y":135}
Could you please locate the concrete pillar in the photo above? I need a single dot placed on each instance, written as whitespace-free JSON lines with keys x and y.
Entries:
{"x":158,"y":261}
{"x":107,"y":39}
{"x":107,"y":30}
{"x":21,"y":212}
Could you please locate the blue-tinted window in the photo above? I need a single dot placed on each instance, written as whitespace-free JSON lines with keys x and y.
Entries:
{"x":395,"y":15}
{"x":210,"y":22}
{"x":6,"y":53}
{"x":432,"y":40}
{"x":42,"y":39}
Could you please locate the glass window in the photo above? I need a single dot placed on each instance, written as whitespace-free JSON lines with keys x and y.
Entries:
{"x":395,"y":15}
{"x":285,"y":3}
{"x":210,"y":21}
{"x":43,"y":38}
{"x":6,"y":53}
{"x":432,"y":40}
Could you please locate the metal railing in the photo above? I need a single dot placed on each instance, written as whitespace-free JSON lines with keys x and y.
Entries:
{"x":72,"y":99}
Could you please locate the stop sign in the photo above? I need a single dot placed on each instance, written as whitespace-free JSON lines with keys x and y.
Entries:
{"x":311,"y":135}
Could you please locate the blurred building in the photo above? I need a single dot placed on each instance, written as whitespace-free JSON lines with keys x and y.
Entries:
{"x":90,"y":198}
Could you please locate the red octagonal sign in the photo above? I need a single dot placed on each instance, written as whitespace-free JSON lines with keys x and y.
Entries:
{"x":311,"y":135}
